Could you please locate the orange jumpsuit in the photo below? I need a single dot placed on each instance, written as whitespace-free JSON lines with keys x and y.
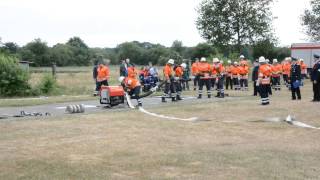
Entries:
{"x":264,"y":75}
{"x":204,"y":71}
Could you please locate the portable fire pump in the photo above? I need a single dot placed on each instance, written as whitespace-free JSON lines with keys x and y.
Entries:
{"x":112,"y":95}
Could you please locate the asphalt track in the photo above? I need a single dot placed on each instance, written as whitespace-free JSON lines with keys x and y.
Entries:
{"x":93,"y":106}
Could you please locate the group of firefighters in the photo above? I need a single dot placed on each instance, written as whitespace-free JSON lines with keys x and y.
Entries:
{"x":265,"y":76}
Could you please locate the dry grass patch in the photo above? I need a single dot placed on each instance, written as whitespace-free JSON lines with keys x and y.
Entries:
{"x":132,"y":145}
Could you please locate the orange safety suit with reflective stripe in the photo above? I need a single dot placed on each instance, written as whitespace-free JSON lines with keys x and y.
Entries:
{"x":178,"y":72}
{"x":264,"y":74}
{"x":167,"y":71}
{"x":132,"y":72}
{"x":204,"y":70}
{"x":304,"y":68}
{"x":103,"y":73}
{"x":194,"y":68}
{"x":286,"y":68}
{"x":276,"y":70}
{"x":131,"y":83}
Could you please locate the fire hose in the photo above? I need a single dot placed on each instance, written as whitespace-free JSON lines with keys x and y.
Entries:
{"x":141,"y":109}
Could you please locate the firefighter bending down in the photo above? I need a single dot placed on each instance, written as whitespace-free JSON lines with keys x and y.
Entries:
{"x":204,"y":72}
{"x":169,"y":81}
{"x":132,"y":86}
{"x":264,"y":75}
{"x":178,"y":72}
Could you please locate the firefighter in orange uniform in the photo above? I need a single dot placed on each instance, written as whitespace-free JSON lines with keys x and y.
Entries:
{"x":103,"y":75}
{"x":244,"y":75}
{"x":304,"y":70}
{"x":132,"y":86}
{"x":204,"y":72}
{"x":264,"y":75}
{"x":178,"y":72}
{"x":276,"y":69}
{"x":220,"y":76}
{"x":286,"y":66}
{"x":214,"y":76}
{"x":235,"y":71}
{"x":169,"y":81}
{"x":229,"y":75}
{"x":194,"y":71}
{"x":132,"y":72}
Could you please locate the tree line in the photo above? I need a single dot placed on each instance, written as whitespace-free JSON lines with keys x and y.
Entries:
{"x":230,"y":28}
{"x":75,"y":52}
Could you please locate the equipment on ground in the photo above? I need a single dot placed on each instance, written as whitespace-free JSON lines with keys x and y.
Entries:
{"x":112,"y":95}
{"x":75,"y":109}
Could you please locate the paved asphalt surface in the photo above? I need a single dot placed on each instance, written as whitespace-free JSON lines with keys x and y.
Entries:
{"x":92,"y":106}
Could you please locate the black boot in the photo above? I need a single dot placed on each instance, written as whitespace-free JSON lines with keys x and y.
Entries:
{"x":209,"y":96}
{"x":221,"y":95}
{"x":163,"y":99}
{"x":178,"y":98}
{"x":218,"y":94}
{"x":200,"y":96}
{"x":299,"y":94}
{"x":173,"y":99}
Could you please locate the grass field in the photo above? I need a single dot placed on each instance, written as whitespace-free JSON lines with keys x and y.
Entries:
{"x":76,"y":84}
{"x":132,"y":145}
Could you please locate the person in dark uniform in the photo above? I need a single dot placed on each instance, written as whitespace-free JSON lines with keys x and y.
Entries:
{"x":315,"y":78}
{"x":295,"y":79}
{"x":255,"y":78}
{"x":94,"y":75}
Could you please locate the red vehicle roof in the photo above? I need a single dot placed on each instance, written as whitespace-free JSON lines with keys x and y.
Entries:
{"x":305,"y":46}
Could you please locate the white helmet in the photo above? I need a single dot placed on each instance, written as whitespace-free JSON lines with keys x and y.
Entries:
{"x":262,"y":59}
{"x":236,"y":63}
{"x":229,"y":62}
{"x":301,"y":60}
{"x":121,"y":78}
{"x":184,"y":65}
{"x":203,"y":59}
{"x":215,"y":60}
{"x":241,"y":56}
{"x":275,"y":60}
{"x":221,"y":61}
{"x":171,"y":61}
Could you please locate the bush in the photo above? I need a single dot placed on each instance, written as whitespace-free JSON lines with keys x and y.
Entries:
{"x":48,"y":85}
{"x":13,"y":79}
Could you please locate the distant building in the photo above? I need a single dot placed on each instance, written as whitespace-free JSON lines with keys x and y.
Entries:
{"x":305,"y":51}
{"x":25,"y":65}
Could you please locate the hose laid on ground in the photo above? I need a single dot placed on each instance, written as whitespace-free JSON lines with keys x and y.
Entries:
{"x":290,"y":120}
{"x":141,"y":109}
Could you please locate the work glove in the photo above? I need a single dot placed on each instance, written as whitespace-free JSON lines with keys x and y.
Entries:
{"x":257,"y":83}
{"x":154,"y":89}
{"x":314,"y":82}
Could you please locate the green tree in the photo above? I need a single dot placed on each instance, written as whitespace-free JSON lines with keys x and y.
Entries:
{"x":268,"y":49}
{"x":132,"y":51}
{"x":36,"y":51}
{"x":11,"y":47}
{"x":203,"y":50}
{"x":62,"y":55}
{"x":178,"y":47}
{"x":225,"y":22}
{"x":311,"y":20}
{"x":13,"y":79}
{"x":82,"y":56}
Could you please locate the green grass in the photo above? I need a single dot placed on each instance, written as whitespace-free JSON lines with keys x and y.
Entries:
{"x":132,"y":145}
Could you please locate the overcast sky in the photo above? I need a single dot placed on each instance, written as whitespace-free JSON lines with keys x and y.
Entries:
{"x":106,"y":23}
